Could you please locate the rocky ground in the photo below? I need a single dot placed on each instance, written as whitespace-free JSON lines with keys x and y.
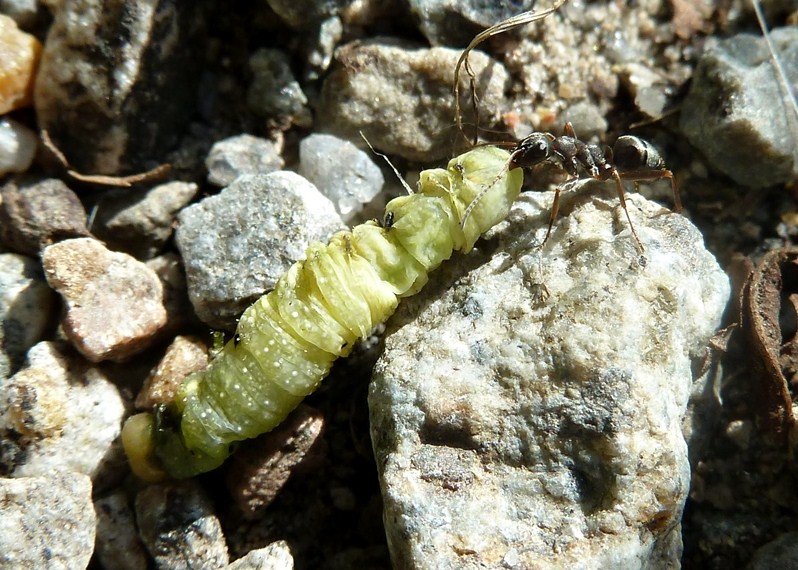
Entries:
{"x":163,"y":163}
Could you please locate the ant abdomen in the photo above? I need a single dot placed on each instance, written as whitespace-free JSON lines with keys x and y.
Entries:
{"x":631,"y":153}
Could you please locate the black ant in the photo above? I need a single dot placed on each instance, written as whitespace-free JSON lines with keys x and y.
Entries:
{"x":631,"y":158}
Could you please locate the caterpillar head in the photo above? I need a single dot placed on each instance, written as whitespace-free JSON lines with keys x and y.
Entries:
{"x":156,"y":450}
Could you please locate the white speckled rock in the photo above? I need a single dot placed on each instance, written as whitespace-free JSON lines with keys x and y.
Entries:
{"x":47,"y":522}
{"x":528,"y":413}
{"x":59,"y":414}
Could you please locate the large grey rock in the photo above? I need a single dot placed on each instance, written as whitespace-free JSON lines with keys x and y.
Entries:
{"x":528,"y":412}
{"x":235,"y":245}
{"x":48,"y":522}
{"x":117,"y":80}
{"x":59,"y":414}
{"x":736,"y":113}
{"x":399,"y":96}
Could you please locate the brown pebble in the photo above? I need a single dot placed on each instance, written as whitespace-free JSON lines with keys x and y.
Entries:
{"x":35,"y":213}
{"x":260,"y":469}
{"x":114,"y":303}
{"x":185,"y":355}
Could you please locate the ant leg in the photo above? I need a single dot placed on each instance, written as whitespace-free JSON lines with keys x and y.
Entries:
{"x":622,"y":199}
{"x":677,"y":201}
{"x":568,"y":130}
{"x":555,"y":207}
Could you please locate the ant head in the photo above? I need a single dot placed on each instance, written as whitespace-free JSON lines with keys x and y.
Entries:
{"x":633,"y":153}
{"x":533,"y":150}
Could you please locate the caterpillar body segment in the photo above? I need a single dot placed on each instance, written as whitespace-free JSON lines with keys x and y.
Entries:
{"x":287,"y":341}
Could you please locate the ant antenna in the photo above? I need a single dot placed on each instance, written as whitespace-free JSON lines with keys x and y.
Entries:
{"x":774,"y":58}
{"x":484,"y":191}
{"x":388,"y":160}
{"x":776,"y":62}
{"x":505,"y":25}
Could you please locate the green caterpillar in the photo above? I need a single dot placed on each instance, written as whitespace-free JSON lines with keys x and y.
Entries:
{"x":286,"y":341}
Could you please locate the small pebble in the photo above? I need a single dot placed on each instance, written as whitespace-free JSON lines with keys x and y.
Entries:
{"x":19,"y":59}
{"x":276,"y":556}
{"x":780,"y":553}
{"x":35,"y":213}
{"x":24,"y":12}
{"x":239,"y":155}
{"x":140,"y":221}
{"x":399,"y":96}
{"x":341,"y":171}
{"x":261,"y":467}
{"x":320,"y":50}
{"x":118,"y":544}
{"x":179,"y":312}
{"x":179,"y":528}
{"x":17,"y":146}
{"x":26,"y":303}
{"x":275,"y":93}
{"x":114,"y":303}
{"x":736,"y":114}
{"x":303,"y":13}
{"x":184,"y":356}
{"x":455,"y":22}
